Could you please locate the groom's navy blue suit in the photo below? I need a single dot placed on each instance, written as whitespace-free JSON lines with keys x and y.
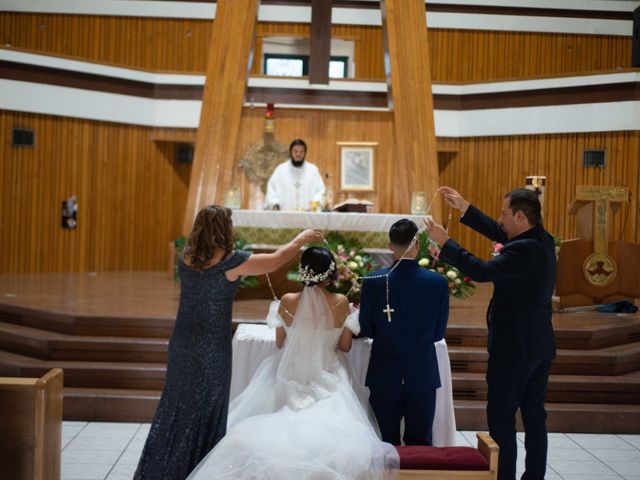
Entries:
{"x":403,"y":368}
{"x":520,"y":337}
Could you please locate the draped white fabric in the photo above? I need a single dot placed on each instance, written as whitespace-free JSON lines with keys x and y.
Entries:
{"x":301,"y":416}
{"x":253,"y":343}
{"x":332,"y":221}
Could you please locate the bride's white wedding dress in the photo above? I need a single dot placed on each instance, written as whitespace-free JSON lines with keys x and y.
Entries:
{"x":300,"y":416}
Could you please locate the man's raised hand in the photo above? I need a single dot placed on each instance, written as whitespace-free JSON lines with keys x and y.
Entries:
{"x":437,"y":233}
{"x":453,"y":198}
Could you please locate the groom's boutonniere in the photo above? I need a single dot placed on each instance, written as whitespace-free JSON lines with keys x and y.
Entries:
{"x":497,"y":248}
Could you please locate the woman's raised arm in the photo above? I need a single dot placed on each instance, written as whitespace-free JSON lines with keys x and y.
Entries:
{"x":260,"y":263}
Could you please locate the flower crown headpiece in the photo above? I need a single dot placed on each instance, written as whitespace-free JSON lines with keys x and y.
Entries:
{"x":307,"y":275}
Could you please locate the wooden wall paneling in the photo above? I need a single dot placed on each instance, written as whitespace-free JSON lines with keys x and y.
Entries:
{"x":149,"y":43}
{"x":368,"y":52}
{"x":322,"y":130}
{"x":472,"y":55}
{"x":559,"y":158}
{"x":183,"y":44}
{"x":227,"y":74}
{"x":131,"y":194}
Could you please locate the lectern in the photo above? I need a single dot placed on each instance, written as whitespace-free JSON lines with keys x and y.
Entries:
{"x":592,"y":269}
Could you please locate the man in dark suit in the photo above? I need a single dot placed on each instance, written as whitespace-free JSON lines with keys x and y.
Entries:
{"x":520,"y":338}
{"x":404,"y":324}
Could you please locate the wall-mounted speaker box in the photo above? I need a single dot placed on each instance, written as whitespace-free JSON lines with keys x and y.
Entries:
{"x":184,"y":153}
{"x":23,"y":137}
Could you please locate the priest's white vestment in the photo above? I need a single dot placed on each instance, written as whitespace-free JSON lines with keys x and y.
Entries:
{"x":293,"y":188}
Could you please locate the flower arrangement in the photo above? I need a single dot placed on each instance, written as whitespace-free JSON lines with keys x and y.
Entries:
{"x":460,"y":286}
{"x":349,"y":254}
{"x":238,"y":244}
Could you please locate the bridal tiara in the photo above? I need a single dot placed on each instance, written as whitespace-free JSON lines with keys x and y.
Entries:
{"x":307,"y":275}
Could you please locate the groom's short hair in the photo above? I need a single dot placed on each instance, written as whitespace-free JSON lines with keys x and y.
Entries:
{"x":402,"y":232}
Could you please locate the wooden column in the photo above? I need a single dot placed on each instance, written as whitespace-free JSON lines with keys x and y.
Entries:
{"x":320,"y":46}
{"x":227,"y":72}
{"x":415,"y":161}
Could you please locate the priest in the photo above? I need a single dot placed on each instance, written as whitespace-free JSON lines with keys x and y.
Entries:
{"x":296,"y":183}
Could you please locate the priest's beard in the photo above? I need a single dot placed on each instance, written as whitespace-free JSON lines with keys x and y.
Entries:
{"x":297,"y":163}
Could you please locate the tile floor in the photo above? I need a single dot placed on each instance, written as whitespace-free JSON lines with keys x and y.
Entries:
{"x":92,"y":451}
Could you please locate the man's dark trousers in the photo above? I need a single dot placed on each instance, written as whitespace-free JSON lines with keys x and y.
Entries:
{"x":417,"y":408}
{"x":511,"y":385}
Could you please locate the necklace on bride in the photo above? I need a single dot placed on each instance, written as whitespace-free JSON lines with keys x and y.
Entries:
{"x":358,"y":279}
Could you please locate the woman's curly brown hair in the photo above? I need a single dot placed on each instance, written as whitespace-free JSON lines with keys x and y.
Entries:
{"x":212,"y":228}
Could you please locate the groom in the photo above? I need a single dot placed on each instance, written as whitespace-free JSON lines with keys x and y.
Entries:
{"x":404,"y":313}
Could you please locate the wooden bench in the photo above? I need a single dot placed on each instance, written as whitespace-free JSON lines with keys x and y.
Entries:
{"x":31,"y":427}
{"x":464,"y":463}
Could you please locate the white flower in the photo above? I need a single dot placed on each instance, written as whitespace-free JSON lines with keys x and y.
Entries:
{"x":352,"y":265}
{"x":451,"y":275}
{"x":358,"y":258}
{"x":457,"y":281}
{"x":423,"y":262}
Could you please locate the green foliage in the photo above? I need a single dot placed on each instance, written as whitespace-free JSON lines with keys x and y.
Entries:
{"x":460,"y":286}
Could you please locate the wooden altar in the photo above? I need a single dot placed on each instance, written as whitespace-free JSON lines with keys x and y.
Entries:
{"x":265,"y":230}
{"x":272,"y":228}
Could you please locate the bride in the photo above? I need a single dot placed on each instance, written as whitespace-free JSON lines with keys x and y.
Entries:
{"x":301,"y":416}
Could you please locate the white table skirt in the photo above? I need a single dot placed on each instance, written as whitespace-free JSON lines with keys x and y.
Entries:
{"x":333,"y":221}
{"x":253,"y":343}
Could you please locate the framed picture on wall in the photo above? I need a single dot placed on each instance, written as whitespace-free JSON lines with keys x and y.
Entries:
{"x":357,"y":165}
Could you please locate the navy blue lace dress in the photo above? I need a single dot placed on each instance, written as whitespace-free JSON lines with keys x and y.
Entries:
{"x":192,"y":414}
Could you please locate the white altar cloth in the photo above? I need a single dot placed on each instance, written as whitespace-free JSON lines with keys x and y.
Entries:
{"x":333,"y":221}
{"x":252,"y":343}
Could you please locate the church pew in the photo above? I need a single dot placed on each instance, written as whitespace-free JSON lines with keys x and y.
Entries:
{"x":464,"y":463}
{"x":31,"y":432}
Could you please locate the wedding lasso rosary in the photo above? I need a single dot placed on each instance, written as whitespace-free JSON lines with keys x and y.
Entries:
{"x":388,"y":310}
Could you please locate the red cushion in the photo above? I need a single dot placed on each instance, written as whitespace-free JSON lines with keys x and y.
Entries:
{"x":420,"y":457}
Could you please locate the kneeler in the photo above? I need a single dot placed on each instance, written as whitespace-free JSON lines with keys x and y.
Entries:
{"x":449,"y":462}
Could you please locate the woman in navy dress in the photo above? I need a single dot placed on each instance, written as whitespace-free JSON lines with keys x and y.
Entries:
{"x":192,"y":413}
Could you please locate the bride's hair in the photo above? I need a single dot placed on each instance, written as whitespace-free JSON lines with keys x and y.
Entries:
{"x":316,"y":265}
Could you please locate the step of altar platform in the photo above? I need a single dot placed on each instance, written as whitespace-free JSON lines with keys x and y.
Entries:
{"x":561,"y":417}
{"x":123,"y":405}
{"x":128,"y":375}
{"x":47,"y":345}
{"x":110,"y":405}
{"x":71,"y":322}
{"x":592,"y":389}
{"x":623,"y":389}
{"x":613,"y":360}
{"x":586,"y":331}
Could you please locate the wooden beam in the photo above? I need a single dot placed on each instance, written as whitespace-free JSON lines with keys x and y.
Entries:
{"x":227,"y":72}
{"x":320,"y":47}
{"x":409,"y":81}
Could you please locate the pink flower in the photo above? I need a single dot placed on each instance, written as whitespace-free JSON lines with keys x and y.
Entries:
{"x":497,"y":248}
